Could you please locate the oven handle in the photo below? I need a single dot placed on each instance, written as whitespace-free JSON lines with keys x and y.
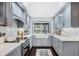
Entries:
{"x":27,"y":46}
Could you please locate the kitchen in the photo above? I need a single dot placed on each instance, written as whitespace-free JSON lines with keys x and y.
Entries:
{"x":53,"y":31}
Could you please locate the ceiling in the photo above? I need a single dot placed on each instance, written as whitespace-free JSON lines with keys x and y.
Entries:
{"x":43,"y":9}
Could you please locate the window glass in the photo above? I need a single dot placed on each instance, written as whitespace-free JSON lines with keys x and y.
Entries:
{"x":41,"y":28}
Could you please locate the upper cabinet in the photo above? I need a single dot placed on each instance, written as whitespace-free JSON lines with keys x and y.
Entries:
{"x":13,"y":14}
{"x":68,"y":16}
{"x":2,"y":14}
{"x":19,"y":14}
{"x":17,"y":10}
{"x":58,"y":20}
{"x":75,"y":14}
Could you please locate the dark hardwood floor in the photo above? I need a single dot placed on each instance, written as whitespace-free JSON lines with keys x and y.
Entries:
{"x":53,"y":52}
{"x":32,"y":52}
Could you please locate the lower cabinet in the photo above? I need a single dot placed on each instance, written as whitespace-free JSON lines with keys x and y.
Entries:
{"x":59,"y":45}
{"x":65,"y":48}
{"x":36,"y":42}
{"x":15,"y":52}
{"x":46,"y":42}
{"x":41,"y":42}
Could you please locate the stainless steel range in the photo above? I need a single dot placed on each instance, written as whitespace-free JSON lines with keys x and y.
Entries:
{"x":25,"y":47}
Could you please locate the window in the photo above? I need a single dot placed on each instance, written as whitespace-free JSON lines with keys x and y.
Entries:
{"x":41,"y":28}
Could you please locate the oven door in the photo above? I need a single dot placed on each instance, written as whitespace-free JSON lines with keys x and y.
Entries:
{"x":26,"y":47}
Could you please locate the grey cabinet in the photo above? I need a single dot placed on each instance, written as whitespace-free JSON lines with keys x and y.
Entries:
{"x":36,"y":42}
{"x":18,"y":11}
{"x":41,"y":42}
{"x":67,"y":16}
{"x":19,"y":15}
{"x":2,"y":13}
{"x":59,"y":20}
{"x":65,"y":48}
{"x":75,"y":14}
{"x":54,"y":43}
{"x":5,"y":14}
{"x":57,"y":45}
{"x":46,"y":42}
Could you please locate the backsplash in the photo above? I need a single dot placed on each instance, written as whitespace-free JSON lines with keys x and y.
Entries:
{"x":70,"y":32}
{"x":2,"y":29}
{"x":9,"y":31}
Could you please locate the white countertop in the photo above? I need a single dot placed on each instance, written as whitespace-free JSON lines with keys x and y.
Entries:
{"x":6,"y":48}
{"x":66,"y":38}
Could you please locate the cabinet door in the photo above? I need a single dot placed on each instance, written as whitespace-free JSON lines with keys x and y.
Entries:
{"x":75,"y":14}
{"x":36,"y":42}
{"x":67,"y":16}
{"x":54,"y":43}
{"x":2,"y":13}
{"x":56,"y":22}
{"x":46,"y":42}
{"x":59,"y":47}
{"x":60,"y":20}
{"x":17,"y":10}
{"x":14,"y":9}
